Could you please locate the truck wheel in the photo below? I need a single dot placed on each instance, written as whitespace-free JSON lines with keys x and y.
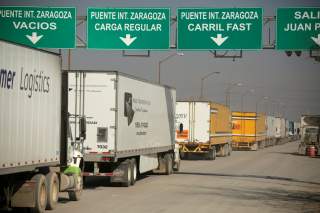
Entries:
{"x":40,"y":193}
{"x":229,"y":149}
{"x":222,"y":150}
{"x":128,"y":178}
{"x":76,"y":194}
{"x":134,"y":171}
{"x":226,"y":150}
{"x":168,"y":161}
{"x":212,"y":154}
{"x":52,"y":182}
{"x":254,"y":147}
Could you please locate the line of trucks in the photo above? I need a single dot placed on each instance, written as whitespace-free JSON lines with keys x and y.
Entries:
{"x":210,"y":129}
{"x":58,"y":127}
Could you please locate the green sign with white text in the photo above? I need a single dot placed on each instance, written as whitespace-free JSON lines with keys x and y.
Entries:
{"x":219,"y":28}
{"x":46,"y":27}
{"x":298,"y":28}
{"x":128,"y":28}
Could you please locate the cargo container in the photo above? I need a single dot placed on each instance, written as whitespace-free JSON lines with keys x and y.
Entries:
{"x":130,"y":125}
{"x":203,"y":128}
{"x":310,"y":133}
{"x":271,"y":131}
{"x":37,"y":159}
{"x":249,"y":130}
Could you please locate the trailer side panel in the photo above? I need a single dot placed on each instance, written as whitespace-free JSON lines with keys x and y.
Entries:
{"x":30,"y":108}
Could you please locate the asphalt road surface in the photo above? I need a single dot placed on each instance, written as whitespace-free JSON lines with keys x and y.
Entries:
{"x":274,"y":179}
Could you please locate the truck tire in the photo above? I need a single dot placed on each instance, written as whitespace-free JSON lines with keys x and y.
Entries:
{"x":134,"y":171}
{"x":76,"y":194}
{"x":128,"y":179}
{"x":225,"y":149}
{"x":255,"y":147}
{"x":211,"y":155}
{"x":52,"y":182}
{"x":222,"y":150}
{"x":40,"y":193}
{"x":168,"y":164}
{"x":229,"y":149}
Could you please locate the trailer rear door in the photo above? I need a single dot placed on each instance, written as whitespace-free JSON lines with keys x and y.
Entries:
{"x":99,"y":108}
{"x":201,"y":122}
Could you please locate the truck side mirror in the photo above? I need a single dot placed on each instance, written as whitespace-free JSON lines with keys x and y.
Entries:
{"x":83,"y":127}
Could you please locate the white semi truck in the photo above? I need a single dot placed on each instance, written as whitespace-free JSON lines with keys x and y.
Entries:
{"x":36,"y":157}
{"x":130,"y":125}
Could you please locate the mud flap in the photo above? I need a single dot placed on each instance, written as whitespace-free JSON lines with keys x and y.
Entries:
{"x":120,"y":174}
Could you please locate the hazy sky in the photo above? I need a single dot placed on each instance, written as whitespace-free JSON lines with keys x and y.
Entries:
{"x":292,"y":81}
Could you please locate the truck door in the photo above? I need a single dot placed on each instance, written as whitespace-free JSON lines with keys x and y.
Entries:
{"x":201,"y":122}
{"x":100,"y":110}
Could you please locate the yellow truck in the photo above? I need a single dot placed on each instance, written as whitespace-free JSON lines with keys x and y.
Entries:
{"x":203,"y":128}
{"x":248,"y":130}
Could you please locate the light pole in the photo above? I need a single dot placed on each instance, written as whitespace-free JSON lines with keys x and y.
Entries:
{"x":278,"y":107}
{"x":228,"y":90}
{"x":257,"y":103}
{"x":267,"y":107}
{"x":242,"y":97}
{"x":243,"y":123}
{"x":163,"y":60}
{"x":273,"y":107}
{"x":283,"y":109}
{"x":202,"y":82}
{"x":262,"y":99}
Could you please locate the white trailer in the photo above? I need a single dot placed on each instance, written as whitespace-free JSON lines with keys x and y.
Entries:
{"x":33,"y":131}
{"x":203,"y":128}
{"x":130,"y":125}
{"x":193,"y":123}
{"x":271,"y":131}
{"x":280,"y":129}
{"x":195,"y":119}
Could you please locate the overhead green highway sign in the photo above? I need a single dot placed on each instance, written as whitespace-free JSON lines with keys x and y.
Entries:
{"x":298,"y":28}
{"x":219,"y":28}
{"x":41,"y":27}
{"x":128,"y":28}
